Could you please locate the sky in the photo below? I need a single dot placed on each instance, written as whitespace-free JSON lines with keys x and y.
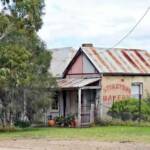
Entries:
{"x":69,"y":23}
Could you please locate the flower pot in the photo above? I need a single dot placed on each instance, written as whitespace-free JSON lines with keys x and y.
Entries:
{"x":51,"y":123}
{"x":73,"y":124}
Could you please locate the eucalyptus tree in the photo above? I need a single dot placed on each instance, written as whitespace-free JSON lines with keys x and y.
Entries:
{"x":24,"y":60}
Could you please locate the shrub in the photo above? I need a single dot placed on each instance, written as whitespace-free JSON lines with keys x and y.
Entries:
{"x":129,"y":110}
{"x":22,"y":124}
{"x":118,"y":122}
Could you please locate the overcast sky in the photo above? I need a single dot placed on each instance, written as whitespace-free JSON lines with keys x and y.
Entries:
{"x":101,"y":22}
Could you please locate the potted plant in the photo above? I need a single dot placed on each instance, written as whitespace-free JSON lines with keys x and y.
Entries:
{"x":71,"y":121}
{"x":51,"y":122}
{"x":60,"y":121}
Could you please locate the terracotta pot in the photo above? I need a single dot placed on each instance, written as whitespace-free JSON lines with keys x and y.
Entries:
{"x":72,"y":124}
{"x":76,"y":122}
{"x":51,"y":123}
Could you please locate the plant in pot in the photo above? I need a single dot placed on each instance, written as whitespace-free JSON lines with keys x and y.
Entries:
{"x":51,"y":122}
{"x":73,"y":122}
{"x":70,"y":121}
{"x":60,"y":121}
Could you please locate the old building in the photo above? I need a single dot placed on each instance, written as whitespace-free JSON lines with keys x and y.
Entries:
{"x":90,"y":79}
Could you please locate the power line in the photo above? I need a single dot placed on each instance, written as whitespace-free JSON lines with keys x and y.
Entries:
{"x":132,"y":29}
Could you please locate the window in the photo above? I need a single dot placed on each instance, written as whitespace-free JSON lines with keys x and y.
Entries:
{"x":137,"y":89}
{"x":55,"y":102}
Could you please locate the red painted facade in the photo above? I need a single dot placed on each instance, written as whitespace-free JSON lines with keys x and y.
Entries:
{"x":77,"y":67}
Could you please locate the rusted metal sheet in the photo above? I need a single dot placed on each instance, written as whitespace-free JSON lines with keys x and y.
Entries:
{"x":75,"y":83}
{"x":126,"y":61}
{"x":60,"y":59}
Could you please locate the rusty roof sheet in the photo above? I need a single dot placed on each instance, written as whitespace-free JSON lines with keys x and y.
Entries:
{"x":75,"y":83}
{"x":125,"y":61}
{"x":60,"y":59}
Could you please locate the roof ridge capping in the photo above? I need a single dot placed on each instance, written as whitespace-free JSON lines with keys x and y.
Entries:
{"x":128,"y":49}
{"x":91,"y":45}
{"x":120,"y":49}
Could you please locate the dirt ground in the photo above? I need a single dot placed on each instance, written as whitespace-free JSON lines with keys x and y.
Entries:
{"x":47,"y":144}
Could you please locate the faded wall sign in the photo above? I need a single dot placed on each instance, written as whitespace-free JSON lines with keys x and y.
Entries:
{"x":116,"y":92}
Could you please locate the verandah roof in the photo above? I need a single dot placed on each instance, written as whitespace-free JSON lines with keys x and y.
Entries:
{"x":75,"y":83}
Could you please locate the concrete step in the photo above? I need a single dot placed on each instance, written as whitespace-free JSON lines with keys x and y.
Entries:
{"x":85,"y":125}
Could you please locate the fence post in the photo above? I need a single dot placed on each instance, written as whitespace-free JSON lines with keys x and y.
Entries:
{"x":113,"y":109}
{"x":140,"y":98}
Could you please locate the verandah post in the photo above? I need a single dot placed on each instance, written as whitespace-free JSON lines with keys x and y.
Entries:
{"x":79,"y":107}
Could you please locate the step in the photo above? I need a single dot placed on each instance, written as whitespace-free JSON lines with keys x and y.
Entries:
{"x":87,"y":124}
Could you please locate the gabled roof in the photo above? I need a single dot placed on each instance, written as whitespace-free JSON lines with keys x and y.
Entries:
{"x":60,"y":59}
{"x":118,"y":61}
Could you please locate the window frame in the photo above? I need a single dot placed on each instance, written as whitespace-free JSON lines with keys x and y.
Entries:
{"x":56,"y":97}
{"x":140,"y":84}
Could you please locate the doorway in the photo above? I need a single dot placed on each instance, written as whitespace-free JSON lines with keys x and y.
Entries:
{"x":88,"y":98}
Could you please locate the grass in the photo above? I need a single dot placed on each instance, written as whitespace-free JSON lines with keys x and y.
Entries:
{"x":109,"y":133}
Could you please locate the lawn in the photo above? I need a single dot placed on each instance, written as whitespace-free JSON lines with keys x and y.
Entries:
{"x":109,"y":133}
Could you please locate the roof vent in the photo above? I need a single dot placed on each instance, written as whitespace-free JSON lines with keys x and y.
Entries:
{"x":87,"y":45}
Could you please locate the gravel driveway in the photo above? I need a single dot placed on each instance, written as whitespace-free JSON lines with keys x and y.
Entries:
{"x":47,"y":144}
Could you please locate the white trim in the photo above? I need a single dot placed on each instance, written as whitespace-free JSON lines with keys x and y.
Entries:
{"x":90,"y":87}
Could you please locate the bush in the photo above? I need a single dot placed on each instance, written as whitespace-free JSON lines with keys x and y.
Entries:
{"x":22,"y":124}
{"x":129,"y":110}
{"x":118,"y":122}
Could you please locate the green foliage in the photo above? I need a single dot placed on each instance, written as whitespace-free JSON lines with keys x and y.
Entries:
{"x":25,"y":82}
{"x":28,"y":11}
{"x":4,"y":24}
{"x":60,"y":121}
{"x":118,"y":122}
{"x":129,"y":110}
{"x":13,"y":59}
{"x":22,"y":124}
{"x":64,"y":121}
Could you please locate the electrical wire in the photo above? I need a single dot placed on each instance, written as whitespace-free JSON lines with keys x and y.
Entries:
{"x":132,"y":29}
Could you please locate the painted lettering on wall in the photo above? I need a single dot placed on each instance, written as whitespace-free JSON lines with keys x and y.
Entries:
{"x":116,"y":92}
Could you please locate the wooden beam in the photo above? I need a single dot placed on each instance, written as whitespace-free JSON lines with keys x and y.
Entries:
{"x":79,"y":107}
{"x":91,"y":87}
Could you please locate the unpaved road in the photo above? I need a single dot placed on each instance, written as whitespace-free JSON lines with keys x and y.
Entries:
{"x":47,"y":144}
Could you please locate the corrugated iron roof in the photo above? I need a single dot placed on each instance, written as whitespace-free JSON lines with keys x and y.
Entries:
{"x":60,"y":59}
{"x":75,"y":83}
{"x":125,"y":61}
